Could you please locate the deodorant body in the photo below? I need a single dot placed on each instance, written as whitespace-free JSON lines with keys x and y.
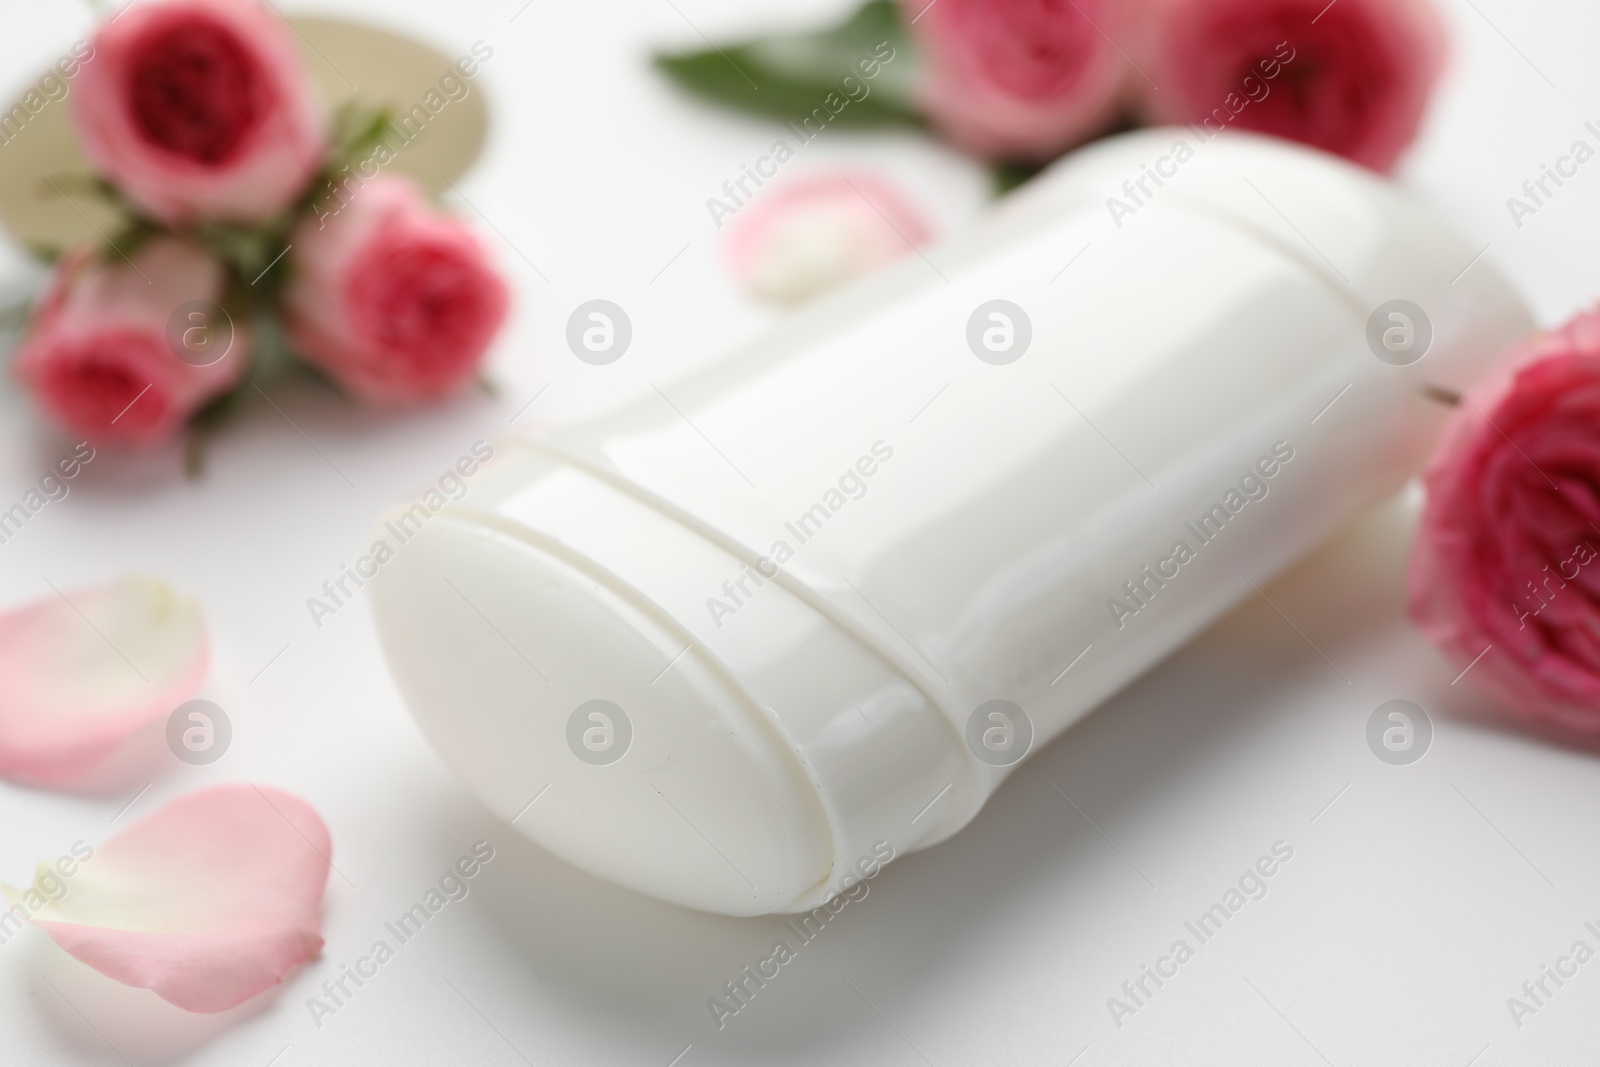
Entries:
{"x":740,"y":642}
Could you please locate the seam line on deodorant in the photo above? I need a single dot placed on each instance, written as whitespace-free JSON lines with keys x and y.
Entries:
{"x":635,"y":597}
{"x":818,"y":603}
{"x":821,"y":604}
{"x":1298,"y":232}
{"x":626,"y":591}
{"x":1342,"y":290}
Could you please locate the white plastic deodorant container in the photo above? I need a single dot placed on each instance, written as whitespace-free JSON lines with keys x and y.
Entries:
{"x":753,"y":635}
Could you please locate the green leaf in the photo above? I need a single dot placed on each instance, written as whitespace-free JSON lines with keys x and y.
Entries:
{"x":269,"y":344}
{"x":357,"y":129}
{"x":96,"y":188}
{"x":126,"y":243}
{"x":789,"y":76}
{"x":15,"y":317}
{"x":203,"y":426}
{"x":1008,"y":176}
{"x":247,"y":250}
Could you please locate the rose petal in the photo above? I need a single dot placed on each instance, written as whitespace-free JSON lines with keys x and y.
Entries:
{"x":207,"y":902}
{"x":82,"y":672}
{"x":816,"y":234}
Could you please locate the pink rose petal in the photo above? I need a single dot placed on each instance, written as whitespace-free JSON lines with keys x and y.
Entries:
{"x":83,"y":671}
{"x":818,"y":233}
{"x":207,"y":902}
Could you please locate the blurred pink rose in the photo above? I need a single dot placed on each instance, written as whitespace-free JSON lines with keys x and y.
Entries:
{"x":1505,"y":563}
{"x":1352,"y":78}
{"x":395,"y":300}
{"x":200,"y":109}
{"x":812,"y":235}
{"x":1019,"y":79}
{"x":122,"y":352}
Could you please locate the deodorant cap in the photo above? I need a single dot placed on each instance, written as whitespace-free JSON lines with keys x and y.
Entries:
{"x":551,"y":630}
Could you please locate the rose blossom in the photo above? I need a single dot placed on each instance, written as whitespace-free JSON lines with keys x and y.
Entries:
{"x":102,"y":351}
{"x":1019,"y":79}
{"x":1352,"y":78}
{"x":1504,"y":564}
{"x":813,"y":235}
{"x":395,"y":300}
{"x":200,"y":109}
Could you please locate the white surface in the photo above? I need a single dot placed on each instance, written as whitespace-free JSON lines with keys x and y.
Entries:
{"x":1413,"y":907}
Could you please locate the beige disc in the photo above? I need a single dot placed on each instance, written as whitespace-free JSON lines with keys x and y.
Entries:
{"x":347,"y":60}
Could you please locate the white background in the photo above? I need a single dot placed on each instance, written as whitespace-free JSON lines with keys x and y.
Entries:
{"x":1415,"y":904}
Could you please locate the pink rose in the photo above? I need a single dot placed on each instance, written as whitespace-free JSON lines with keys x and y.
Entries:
{"x":1352,"y":77}
{"x":200,"y":109}
{"x":1505,"y":563}
{"x":395,"y":300}
{"x":812,"y":235}
{"x":102,"y":355}
{"x":1019,"y":79}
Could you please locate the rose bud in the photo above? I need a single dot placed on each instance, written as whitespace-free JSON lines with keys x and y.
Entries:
{"x":395,"y":300}
{"x":808,"y":237}
{"x":1352,"y":78}
{"x":1505,"y":570}
{"x":127,"y":352}
{"x":200,"y":109}
{"x":1020,"y":80}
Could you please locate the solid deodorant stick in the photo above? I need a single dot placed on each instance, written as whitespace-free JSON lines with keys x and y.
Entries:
{"x":745,"y":640}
